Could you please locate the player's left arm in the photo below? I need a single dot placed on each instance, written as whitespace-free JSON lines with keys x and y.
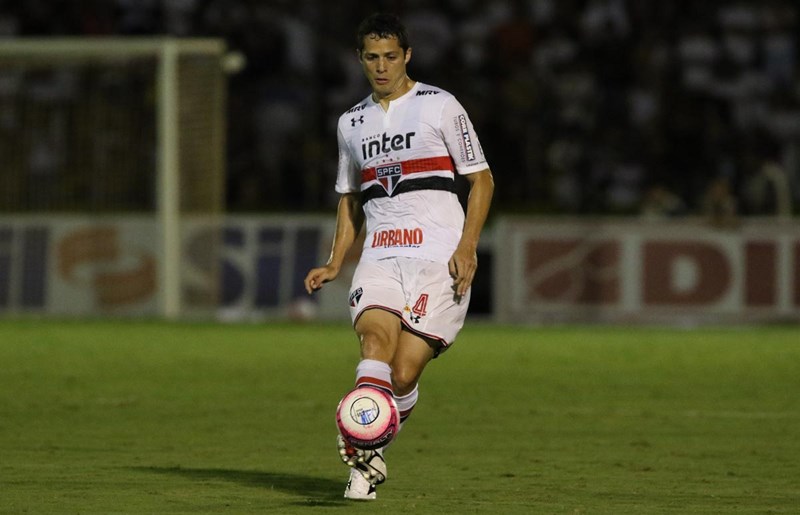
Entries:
{"x":464,"y":261}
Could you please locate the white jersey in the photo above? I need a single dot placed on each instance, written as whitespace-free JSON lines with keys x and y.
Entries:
{"x":403,"y":161}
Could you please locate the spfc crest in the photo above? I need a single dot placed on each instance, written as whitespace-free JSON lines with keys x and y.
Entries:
{"x":389,"y":175}
{"x":355,"y":296}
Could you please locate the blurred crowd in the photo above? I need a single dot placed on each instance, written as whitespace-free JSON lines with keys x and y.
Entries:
{"x":658,"y":109}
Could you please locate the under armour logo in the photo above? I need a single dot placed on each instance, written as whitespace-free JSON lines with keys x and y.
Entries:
{"x":353,"y":120}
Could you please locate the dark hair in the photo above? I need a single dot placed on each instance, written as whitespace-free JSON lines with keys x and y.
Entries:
{"x":383,"y":25}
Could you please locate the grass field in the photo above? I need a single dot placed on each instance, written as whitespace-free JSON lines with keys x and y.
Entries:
{"x":148,"y":417}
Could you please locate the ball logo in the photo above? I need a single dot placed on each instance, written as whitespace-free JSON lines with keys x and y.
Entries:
{"x":364,"y":411}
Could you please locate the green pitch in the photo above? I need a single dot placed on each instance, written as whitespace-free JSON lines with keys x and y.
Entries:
{"x":147,"y":417}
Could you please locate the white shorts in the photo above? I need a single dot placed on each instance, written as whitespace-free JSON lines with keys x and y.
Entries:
{"x":419,"y":292}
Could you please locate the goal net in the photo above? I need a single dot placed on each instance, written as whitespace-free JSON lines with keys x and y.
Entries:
{"x":98,"y":134}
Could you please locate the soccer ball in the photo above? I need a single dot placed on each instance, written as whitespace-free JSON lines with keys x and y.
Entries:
{"x":368,"y":418}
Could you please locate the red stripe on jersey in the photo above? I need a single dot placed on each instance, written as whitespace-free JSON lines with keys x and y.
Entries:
{"x":374,"y":381}
{"x":427,"y":164}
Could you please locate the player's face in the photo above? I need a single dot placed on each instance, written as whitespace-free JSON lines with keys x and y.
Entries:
{"x":384,"y":64}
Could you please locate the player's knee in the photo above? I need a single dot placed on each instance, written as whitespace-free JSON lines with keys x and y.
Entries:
{"x":404,"y":379}
{"x":376,"y":344}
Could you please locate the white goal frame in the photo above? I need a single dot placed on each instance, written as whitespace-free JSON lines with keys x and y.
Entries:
{"x":166,"y":50}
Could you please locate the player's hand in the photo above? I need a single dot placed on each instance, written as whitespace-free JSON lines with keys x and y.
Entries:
{"x":316,"y":277}
{"x":462,"y":266}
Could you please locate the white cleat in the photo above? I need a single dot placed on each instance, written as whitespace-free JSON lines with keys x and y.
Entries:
{"x":367,"y":470}
{"x":358,"y":488}
{"x":370,"y":464}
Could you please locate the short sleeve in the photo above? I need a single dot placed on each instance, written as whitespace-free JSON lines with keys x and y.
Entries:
{"x":460,"y":137}
{"x":348,"y":178}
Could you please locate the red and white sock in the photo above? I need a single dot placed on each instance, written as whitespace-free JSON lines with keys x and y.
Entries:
{"x":406,"y":403}
{"x":371,"y":372}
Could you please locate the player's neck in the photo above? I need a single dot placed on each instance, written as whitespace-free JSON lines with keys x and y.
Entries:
{"x":404,"y":87}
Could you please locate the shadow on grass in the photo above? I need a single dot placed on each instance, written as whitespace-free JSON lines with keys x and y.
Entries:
{"x":315,"y":490}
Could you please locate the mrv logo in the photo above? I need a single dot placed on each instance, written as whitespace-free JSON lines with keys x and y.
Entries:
{"x":384,"y":143}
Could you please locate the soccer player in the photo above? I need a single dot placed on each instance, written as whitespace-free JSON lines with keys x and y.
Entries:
{"x":399,"y":151}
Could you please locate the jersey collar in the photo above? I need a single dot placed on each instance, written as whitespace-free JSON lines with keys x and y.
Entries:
{"x":408,"y":94}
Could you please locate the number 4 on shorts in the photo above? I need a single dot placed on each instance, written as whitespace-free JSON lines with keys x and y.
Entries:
{"x":421,"y":305}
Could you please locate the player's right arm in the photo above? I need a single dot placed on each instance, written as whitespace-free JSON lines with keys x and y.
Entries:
{"x":349,"y":219}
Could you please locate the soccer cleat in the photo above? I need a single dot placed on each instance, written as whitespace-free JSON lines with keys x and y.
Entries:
{"x":370,"y":464}
{"x":358,"y":488}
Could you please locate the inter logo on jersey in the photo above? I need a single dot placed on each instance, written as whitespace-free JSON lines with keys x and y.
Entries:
{"x":389,"y":176}
{"x":384,"y":143}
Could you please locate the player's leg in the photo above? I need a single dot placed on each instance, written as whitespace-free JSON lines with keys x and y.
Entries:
{"x":376,"y":301}
{"x":412,"y":355}
{"x":378,"y":332}
{"x":431,"y":320}
{"x":392,"y":358}
{"x":382,"y":338}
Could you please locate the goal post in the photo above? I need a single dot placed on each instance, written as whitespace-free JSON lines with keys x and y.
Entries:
{"x":116,"y":125}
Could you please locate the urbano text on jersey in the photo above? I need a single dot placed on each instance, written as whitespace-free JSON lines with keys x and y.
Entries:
{"x":397,"y":238}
